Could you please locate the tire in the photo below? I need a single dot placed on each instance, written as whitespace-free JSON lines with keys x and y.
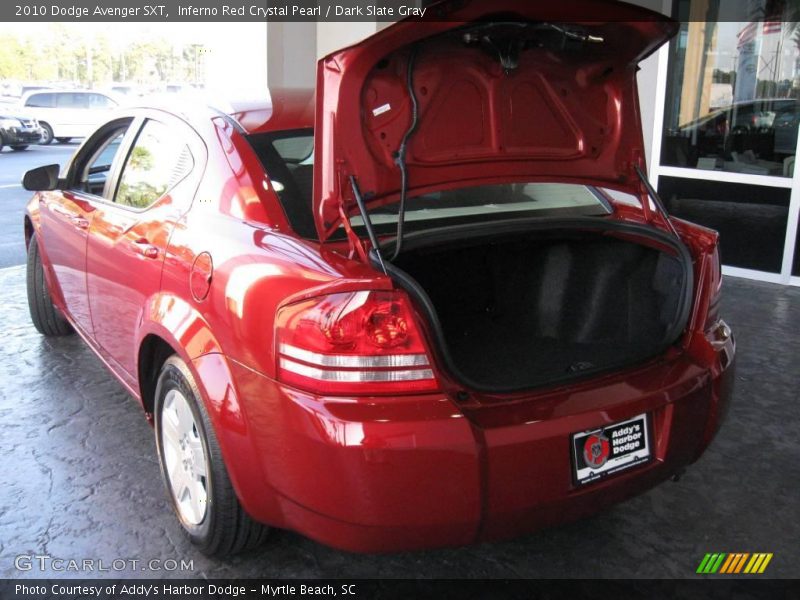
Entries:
{"x":206,"y":505}
{"x":63,"y":140}
{"x":47,"y":134}
{"x":20,"y":147}
{"x":45,"y":316}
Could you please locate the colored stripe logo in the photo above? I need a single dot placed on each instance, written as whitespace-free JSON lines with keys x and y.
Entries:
{"x":734,"y":563}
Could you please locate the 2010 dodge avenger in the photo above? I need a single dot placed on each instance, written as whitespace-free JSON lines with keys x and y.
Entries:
{"x":436,"y":302}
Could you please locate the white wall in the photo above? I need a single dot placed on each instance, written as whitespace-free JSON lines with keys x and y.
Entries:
{"x":647,"y":80}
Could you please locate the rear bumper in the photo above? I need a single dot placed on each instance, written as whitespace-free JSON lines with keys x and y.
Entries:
{"x":389,"y":474}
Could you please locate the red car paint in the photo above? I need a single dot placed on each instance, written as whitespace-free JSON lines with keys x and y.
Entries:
{"x":207,"y":269}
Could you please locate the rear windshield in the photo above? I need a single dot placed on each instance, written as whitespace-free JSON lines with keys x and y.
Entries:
{"x":288,"y":158}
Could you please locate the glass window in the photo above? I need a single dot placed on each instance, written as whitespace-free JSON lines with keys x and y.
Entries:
{"x":751,"y":219}
{"x":72,"y":100}
{"x":100,"y":101}
{"x":733,"y":88}
{"x":95,"y":173}
{"x":41,"y":101}
{"x":288,"y":159}
{"x":502,"y":200}
{"x":295,"y":149}
{"x":158,"y":160}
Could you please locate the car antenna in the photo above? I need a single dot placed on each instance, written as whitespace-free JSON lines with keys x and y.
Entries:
{"x":651,"y":191}
{"x":362,"y":208}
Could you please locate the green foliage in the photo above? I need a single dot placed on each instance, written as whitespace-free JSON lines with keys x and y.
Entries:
{"x":61,"y":54}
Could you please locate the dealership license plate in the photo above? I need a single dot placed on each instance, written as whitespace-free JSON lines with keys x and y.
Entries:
{"x":611,"y":449}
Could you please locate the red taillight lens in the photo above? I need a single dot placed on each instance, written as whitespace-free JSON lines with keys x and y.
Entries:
{"x":362,"y":342}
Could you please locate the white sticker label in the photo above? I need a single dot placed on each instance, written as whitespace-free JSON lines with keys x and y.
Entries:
{"x":381,"y":109}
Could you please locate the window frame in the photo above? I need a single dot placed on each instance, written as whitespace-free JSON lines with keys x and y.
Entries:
{"x":128,"y":148}
{"x":91,"y":150}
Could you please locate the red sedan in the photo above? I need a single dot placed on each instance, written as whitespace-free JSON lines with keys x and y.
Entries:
{"x":435,"y":303}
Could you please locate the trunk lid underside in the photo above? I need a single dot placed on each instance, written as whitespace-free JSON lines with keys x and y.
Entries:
{"x":504,"y":90}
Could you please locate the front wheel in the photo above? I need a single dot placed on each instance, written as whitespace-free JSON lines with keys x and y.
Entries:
{"x":45,"y":316}
{"x":47,"y":134}
{"x":194,"y":473}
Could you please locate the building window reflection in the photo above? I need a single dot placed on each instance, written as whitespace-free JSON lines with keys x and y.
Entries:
{"x":733,"y":88}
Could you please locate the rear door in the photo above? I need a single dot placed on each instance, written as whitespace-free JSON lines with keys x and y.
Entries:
{"x":66,"y":216}
{"x":153,"y":187}
{"x":69,"y":120}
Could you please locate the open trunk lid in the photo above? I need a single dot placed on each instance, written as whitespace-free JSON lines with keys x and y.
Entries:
{"x":505,"y":90}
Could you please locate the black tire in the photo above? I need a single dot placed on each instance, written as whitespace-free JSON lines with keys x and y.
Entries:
{"x":20,"y":147}
{"x":225,"y":528}
{"x":47,"y":134}
{"x":45,"y":316}
{"x":63,"y":140}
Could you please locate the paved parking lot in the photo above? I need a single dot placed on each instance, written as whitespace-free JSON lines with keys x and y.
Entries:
{"x":80,"y":477}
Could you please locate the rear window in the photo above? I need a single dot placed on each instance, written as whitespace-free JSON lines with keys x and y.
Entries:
{"x":41,"y":101}
{"x":288,"y":158}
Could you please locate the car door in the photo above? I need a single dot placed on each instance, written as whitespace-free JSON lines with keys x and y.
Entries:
{"x":128,"y":236}
{"x":66,"y":216}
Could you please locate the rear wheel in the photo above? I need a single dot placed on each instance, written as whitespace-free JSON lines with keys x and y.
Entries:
{"x":47,"y":134}
{"x":45,"y":316}
{"x":20,"y":147}
{"x":63,"y":140}
{"x":194,"y":473}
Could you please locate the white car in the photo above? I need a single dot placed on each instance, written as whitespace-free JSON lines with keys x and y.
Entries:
{"x":67,"y":114}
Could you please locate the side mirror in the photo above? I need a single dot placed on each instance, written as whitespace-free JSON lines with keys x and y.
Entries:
{"x":41,"y":179}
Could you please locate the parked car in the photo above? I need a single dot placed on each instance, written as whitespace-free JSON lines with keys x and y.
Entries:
{"x":765,"y":126}
{"x":397,"y":314}
{"x":67,"y":114}
{"x":16,"y":130}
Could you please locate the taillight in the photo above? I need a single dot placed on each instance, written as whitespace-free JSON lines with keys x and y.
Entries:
{"x":363,"y":342}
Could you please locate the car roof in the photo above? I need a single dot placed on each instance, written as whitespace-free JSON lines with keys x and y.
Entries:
{"x":287,"y":108}
{"x":284,"y":109}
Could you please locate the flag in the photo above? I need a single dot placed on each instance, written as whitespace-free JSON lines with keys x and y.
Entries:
{"x":747,"y":34}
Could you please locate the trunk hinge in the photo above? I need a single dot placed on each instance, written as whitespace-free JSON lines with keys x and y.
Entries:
{"x":354,"y":239}
{"x":660,"y":208}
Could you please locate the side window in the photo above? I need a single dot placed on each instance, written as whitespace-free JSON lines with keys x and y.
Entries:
{"x":95,"y":171}
{"x":72,"y":100}
{"x":41,"y":101}
{"x":158,"y":160}
{"x":100,"y":101}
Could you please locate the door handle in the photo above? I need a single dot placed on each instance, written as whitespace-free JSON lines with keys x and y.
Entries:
{"x":59,"y":210}
{"x":145,"y":248}
{"x":79,"y":222}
